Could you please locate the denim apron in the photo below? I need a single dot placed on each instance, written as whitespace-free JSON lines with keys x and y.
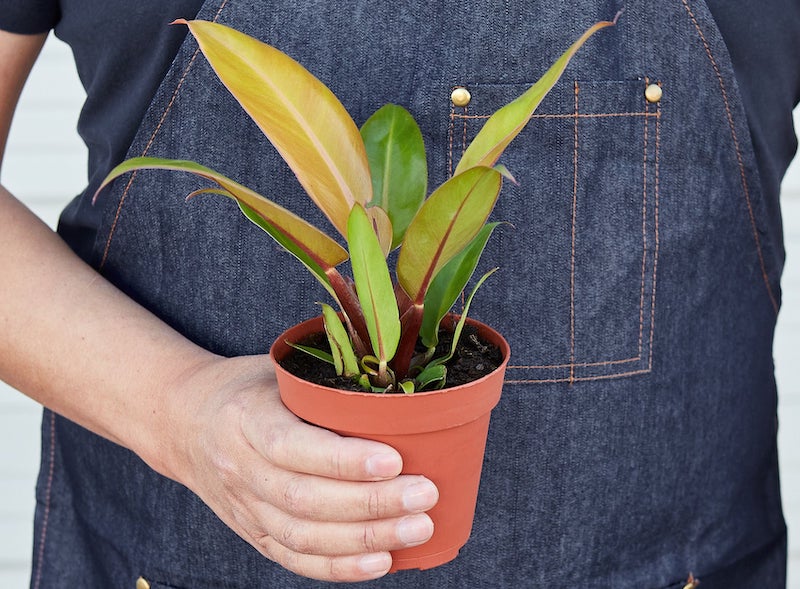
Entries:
{"x":635,"y":441}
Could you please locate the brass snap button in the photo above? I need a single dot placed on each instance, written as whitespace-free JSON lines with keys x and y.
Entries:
{"x":653,"y":93}
{"x":460,"y":96}
{"x":141,"y":583}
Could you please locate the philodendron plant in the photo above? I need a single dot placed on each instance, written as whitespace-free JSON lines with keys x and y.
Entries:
{"x":372,"y":185}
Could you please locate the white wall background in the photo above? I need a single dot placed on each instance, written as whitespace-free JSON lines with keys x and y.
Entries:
{"x":45,"y":165}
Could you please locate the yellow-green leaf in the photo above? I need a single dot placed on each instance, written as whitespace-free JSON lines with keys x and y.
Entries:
{"x":505,"y":124}
{"x":294,"y":233}
{"x":343,"y":357}
{"x":445,"y":224}
{"x":302,"y":118}
{"x":373,"y":286}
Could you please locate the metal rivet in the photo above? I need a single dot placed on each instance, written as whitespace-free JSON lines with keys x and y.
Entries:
{"x":460,"y":96}
{"x":653,"y":93}
{"x":141,"y":583}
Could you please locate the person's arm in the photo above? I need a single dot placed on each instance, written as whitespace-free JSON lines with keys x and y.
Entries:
{"x":73,"y":342}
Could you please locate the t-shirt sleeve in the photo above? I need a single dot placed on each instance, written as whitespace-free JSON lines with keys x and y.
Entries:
{"x":28,"y":17}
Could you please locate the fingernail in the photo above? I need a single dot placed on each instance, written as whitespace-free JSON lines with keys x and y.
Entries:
{"x":384,"y":465}
{"x":373,"y":564}
{"x":420,"y":496}
{"x":414,"y":529}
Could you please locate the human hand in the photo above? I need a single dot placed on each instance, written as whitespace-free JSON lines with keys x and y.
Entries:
{"x":321,"y":505}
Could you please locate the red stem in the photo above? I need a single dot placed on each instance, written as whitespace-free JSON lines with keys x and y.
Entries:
{"x":410,"y":324}
{"x":354,"y":317}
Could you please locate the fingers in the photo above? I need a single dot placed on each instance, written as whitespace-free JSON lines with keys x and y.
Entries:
{"x":337,"y":544}
{"x":337,"y":539}
{"x":323,"y":499}
{"x":314,"y":550}
{"x":328,"y":529}
{"x":319,"y":475}
{"x":286,"y":442}
{"x":322,"y":505}
{"x":342,"y":569}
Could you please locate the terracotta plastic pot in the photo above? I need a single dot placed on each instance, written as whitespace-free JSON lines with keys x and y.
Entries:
{"x":439,"y":434}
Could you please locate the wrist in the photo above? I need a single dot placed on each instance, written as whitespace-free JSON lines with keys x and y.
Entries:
{"x":173,"y":413}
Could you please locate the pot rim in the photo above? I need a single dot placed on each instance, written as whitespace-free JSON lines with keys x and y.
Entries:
{"x":358,"y":412}
{"x":277,"y":352}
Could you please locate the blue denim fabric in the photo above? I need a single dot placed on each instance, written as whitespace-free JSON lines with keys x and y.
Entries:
{"x":635,"y":441}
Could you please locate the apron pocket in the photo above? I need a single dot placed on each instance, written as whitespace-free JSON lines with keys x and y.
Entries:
{"x":576,"y":293}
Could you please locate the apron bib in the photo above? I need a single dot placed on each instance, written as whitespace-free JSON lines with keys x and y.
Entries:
{"x":639,"y":285}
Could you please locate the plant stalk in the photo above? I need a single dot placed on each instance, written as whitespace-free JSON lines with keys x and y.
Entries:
{"x":411,"y":322}
{"x":353,"y":316}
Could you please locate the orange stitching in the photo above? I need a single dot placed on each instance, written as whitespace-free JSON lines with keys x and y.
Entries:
{"x":572,"y":258}
{"x":567,"y":115}
{"x":464,"y":134}
{"x":573,"y":380}
{"x":576,"y":364}
{"x":644,"y":228}
{"x":144,"y":153}
{"x":150,"y":144}
{"x":450,"y":132}
{"x":739,"y":158}
{"x":655,"y":223}
{"x":47,"y":495}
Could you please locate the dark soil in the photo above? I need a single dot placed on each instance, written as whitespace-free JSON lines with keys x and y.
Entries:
{"x":474,"y":358}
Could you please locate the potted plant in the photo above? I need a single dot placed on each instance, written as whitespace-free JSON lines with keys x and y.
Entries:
{"x":393,"y":339}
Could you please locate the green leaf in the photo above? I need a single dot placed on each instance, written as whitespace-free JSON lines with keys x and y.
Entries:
{"x":449,"y":283}
{"x":311,"y":246}
{"x":396,"y":154}
{"x":301,"y":117}
{"x":446,"y":223}
{"x":505,"y":124}
{"x":506,"y":173}
{"x":461,"y":322}
{"x":430,"y":374}
{"x":370,"y":365}
{"x":344,"y":359}
{"x":407,"y":386}
{"x":373,"y":286}
{"x":316,"y":353}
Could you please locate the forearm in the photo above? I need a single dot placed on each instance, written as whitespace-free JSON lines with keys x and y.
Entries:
{"x":79,"y":346}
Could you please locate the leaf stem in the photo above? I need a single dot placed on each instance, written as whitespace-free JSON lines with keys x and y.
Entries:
{"x":353,"y":316}
{"x":411,"y":321}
